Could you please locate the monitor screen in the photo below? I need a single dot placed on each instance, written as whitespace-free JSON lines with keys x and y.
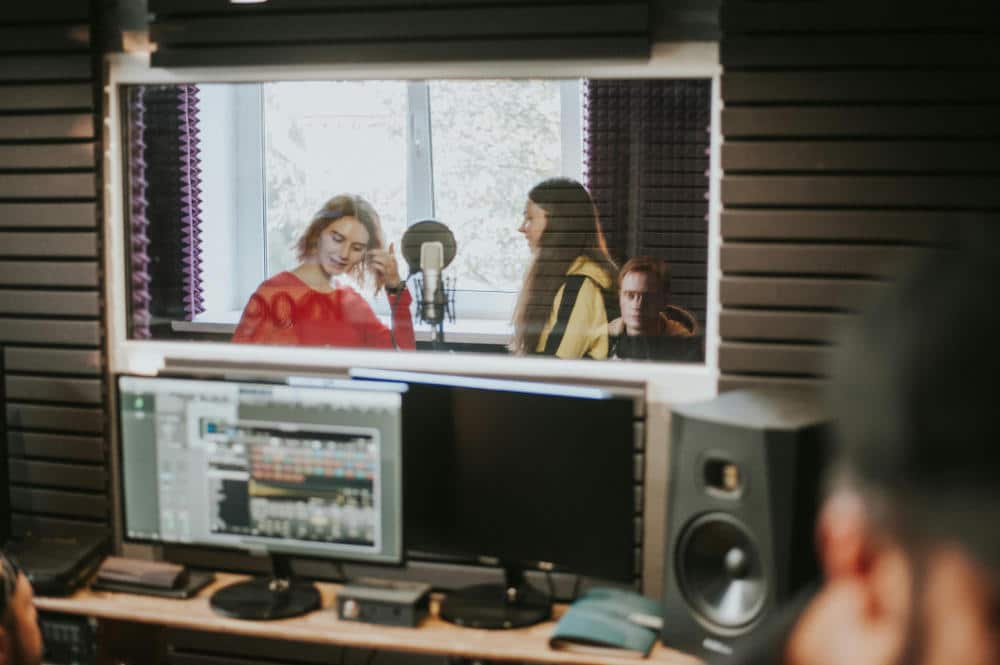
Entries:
{"x":521,"y":472}
{"x":300,"y":470}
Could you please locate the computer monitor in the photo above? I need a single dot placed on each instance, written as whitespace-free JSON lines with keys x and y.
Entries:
{"x":531,"y":475}
{"x":305,"y":470}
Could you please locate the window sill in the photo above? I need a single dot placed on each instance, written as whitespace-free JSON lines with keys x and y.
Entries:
{"x":462,"y":331}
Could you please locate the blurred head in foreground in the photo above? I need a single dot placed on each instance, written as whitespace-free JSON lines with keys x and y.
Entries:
{"x":909,"y":537}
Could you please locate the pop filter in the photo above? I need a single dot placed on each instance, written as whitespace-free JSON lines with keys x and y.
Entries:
{"x":427,"y":230}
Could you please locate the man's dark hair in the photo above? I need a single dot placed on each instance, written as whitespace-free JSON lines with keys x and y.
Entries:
{"x":916,"y":403}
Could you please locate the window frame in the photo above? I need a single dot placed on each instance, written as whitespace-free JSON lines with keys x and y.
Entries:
{"x":664,"y":382}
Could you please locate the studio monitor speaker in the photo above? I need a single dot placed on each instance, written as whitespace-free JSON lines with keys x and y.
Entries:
{"x":745,"y":474}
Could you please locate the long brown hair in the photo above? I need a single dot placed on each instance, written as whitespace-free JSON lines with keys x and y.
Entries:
{"x":572,"y":230}
{"x":345,"y":205}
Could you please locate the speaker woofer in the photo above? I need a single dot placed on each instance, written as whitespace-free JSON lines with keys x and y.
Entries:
{"x":719,"y":571}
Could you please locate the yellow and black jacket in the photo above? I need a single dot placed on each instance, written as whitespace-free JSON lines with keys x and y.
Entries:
{"x":579,"y":329}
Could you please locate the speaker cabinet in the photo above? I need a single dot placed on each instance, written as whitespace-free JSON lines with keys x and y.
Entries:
{"x":745,"y":474}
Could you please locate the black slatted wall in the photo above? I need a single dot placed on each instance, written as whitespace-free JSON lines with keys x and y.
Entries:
{"x":218,"y":33}
{"x":51,"y":331}
{"x":856,"y":137}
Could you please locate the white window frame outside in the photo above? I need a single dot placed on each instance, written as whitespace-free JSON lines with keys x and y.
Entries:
{"x":479,"y":308}
{"x":665,"y":382}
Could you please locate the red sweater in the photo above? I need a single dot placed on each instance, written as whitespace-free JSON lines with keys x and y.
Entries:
{"x":285,"y":310}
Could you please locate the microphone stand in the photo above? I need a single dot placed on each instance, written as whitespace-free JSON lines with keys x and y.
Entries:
{"x":444,"y":307}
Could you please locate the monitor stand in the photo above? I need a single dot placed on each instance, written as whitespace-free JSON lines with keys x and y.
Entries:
{"x":514,"y":604}
{"x":279,"y":596}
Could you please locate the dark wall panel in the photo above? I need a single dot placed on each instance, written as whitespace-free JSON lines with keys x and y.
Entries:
{"x":49,"y":245}
{"x":51,"y":309}
{"x":60,"y":303}
{"x":72,"y":274}
{"x":47,"y":97}
{"x":323,"y":31}
{"x":55,"y":446}
{"x":52,"y":361}
{"x":48,"y":215}
{"x":857,"y":137}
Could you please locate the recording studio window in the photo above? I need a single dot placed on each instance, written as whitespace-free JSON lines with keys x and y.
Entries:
{"x":222,"y":180}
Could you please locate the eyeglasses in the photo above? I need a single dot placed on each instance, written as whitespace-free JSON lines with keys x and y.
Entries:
{"x":8,"y":580}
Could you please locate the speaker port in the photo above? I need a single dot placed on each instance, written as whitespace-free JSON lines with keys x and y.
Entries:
{"x":723,"y":477}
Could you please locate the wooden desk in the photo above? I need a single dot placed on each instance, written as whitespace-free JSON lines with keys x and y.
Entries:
{"x":434,"y":636}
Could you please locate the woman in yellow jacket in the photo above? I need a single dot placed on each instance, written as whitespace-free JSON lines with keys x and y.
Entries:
{"x":563,"y":308}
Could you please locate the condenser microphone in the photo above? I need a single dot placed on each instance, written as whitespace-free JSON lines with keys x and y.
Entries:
{"x":431,"y":264}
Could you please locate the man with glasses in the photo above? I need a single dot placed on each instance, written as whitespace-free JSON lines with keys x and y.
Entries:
{"x":20,"y":637}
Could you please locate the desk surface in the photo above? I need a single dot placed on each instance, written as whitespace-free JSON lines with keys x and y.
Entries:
{"x":434,"y":636}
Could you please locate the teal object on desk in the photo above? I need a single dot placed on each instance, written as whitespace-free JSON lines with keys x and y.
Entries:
{"x":609,"y":622}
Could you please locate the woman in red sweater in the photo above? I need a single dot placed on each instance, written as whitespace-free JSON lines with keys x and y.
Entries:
{"x":306,"y":306}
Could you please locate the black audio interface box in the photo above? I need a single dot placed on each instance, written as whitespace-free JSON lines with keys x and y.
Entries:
{"x":385,"y":602}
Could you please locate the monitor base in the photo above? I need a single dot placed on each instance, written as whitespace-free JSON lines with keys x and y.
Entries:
{"x":496,"y":606}
{"x":264,"y":599}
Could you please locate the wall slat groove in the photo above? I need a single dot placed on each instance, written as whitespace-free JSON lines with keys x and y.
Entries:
{"x":855,"y":260}
{"x":55,"y":303}
{"x":868,"y":50}
{"x":45,"y":38}
{"x":51,"y":361}
{"x":41,"y":156}
{"x":48,"y":186}
{"x":49,"y":273}
{"x":858,"y":139}
{"x":740,"y":157}
{"x":43,"y":332}
{"x":22,"y":523}
{"x":56,"y":502}
{"x":887,"y":122}
{"x":59,"y":418}
{"x":50,"y":389}
{"x":779,"y":326}
{"x":919,"y":227}
{"x":748,"y":16}
{"x":52,"y":244}
{"x":409,"y":24}
{"x":832,"y":294}
{"x":858,"y":86}
{"x":943,"y":191}
{"x":48,"y":215}
{"x":774,"y":358}
{"x":55,"y":446}
{"x":50,"y":474}
{"x":46,"y":67}
{"x":46,"y":97}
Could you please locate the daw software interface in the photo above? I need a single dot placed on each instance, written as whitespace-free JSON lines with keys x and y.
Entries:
{"x":313,"y":471}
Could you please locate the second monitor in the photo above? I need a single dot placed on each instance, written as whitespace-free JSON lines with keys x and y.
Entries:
{"x":285,"y":470}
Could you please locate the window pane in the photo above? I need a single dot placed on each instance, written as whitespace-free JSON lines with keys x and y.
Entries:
{"x":327,"y":138}
{"x":492,"y":142}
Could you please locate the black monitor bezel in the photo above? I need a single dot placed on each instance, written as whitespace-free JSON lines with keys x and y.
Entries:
{"x":397,"y":562}
{"x":515,"y":385}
